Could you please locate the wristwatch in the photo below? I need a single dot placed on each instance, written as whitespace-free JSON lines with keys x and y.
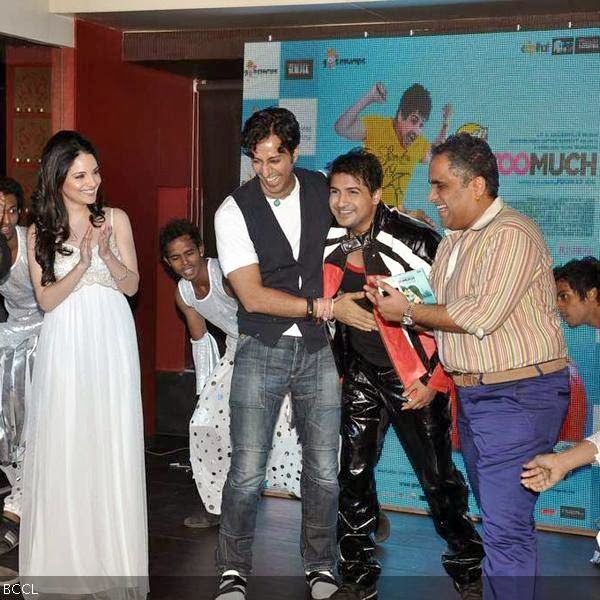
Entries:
{"x":407,"y":319}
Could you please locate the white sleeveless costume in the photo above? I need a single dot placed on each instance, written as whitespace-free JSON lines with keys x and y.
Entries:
{"x":209,"y":427}
{"x":84,"y":511}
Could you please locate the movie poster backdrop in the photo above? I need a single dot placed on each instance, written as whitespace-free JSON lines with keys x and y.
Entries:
{"x":535,"y":97}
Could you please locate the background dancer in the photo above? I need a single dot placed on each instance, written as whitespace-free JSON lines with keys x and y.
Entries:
{"x":18,"y":341}
{"x":204,"y":295}
{"x":578,"y":300}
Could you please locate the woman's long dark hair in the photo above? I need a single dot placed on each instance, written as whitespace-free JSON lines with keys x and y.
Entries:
{"x":47,"y":206}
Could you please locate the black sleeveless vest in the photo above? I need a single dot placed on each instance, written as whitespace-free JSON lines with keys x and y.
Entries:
{"x":278,"y":268}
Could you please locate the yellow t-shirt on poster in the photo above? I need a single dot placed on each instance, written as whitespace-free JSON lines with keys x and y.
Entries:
{"x":397,"y":161}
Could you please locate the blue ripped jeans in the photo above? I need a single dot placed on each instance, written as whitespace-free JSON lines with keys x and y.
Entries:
{"x":262,"y":375}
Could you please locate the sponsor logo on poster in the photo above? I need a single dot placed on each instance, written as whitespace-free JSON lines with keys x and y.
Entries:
{"x":299,"y":69}
{"x":333,"y":60}
{"x":537,"y":48}
{"x":563,"y":45}
{"x":572,"y":512}
{"x":262,"y":71}
{"x":589,"y":44}
{"x":250,"y":70}
{"x":254,"y":70}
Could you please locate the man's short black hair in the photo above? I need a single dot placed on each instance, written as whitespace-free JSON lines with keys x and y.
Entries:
{"x":8,"y":185}
{"x":177,"y":228}
{"x":415,"y":99}
{"x":360,"y":164}
{"x":470,"y":157}
{"x":582,"y":275}
{"x":271,"y":121}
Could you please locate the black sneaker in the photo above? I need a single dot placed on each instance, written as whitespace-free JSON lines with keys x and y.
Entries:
{"x":8,"y":576}
{"x":470,"y":591}
{"x":352,"y":591}
{"x":321,"y":585}
{"x":231,"y":587}
{"x":9,"y":534}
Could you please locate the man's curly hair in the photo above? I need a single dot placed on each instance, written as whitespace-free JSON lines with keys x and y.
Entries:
{"x":271,"y":121}
{"x":582,"y":275}
{"x":177,"y":228}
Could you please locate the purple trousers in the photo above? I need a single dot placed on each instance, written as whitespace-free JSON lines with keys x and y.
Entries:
{"x":502,"y":426}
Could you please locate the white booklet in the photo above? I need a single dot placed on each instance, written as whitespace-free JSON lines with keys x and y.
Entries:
{"x":414,"y":285}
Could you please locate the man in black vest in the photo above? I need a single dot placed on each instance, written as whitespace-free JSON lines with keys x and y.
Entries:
{"x":270,"y":238}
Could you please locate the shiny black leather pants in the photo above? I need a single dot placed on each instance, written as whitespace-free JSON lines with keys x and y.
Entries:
{"x":371,"y":401}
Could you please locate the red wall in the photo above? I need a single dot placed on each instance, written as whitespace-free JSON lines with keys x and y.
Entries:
{"x":140,"y":121}
{"x":170,"y":333}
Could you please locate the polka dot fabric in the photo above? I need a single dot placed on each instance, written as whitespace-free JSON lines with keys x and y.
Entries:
{"x":210,"y":450}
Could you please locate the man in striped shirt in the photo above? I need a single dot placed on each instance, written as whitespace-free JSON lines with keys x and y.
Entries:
{"x":498,"y":334}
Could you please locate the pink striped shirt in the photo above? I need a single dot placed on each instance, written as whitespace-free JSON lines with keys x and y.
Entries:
{"x":498,"y":286}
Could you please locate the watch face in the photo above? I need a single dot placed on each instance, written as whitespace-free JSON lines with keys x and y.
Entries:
{"x":407,"y":320}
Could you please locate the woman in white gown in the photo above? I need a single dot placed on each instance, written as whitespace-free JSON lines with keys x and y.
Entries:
{"x":84,"y":525}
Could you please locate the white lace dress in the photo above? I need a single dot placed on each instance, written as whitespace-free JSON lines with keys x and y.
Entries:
{"x":84,"y":524}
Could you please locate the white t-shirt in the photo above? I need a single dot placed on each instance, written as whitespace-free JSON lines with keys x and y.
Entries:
{"x":234,"y":246}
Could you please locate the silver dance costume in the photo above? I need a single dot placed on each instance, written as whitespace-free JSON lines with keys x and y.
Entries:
{"x":18,"y":341}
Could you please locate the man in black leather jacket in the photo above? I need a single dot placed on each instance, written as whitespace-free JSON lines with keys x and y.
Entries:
{"x":391,"y":376}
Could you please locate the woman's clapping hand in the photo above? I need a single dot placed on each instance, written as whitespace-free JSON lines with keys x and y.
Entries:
{"x":104,"y":250}
{"x":85,"y":249}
